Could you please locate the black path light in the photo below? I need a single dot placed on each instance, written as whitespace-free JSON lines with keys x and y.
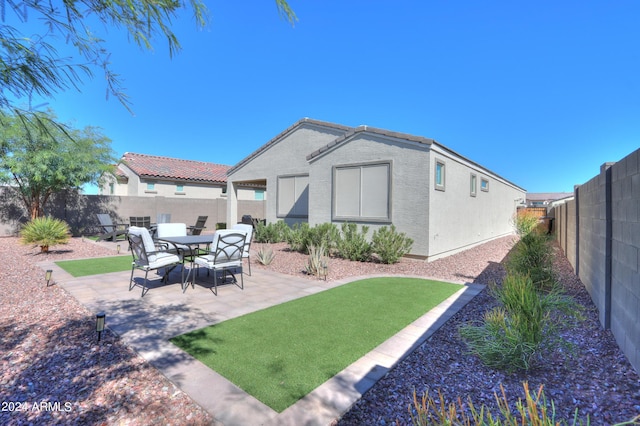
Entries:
{"x":100,"y":320}
{"x":47,"y":276}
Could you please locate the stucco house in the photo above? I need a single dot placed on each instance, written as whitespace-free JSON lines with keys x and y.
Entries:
{"x":151,"y":175}
{"x":323,"y":172}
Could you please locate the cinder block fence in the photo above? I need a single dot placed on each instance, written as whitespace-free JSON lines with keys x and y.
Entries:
{"x":599,"y":231}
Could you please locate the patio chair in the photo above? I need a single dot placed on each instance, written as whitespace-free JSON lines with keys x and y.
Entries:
{"x":248,"y":230}
{"x":148,"y":256}
{"x":225,"y":255}
{"x":173,"y":230}
{"x":140,"y":221}
{"x":111,"y":230}
{"x":199,"y":226}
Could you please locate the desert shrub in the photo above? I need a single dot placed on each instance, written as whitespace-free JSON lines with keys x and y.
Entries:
{"x":271,"y":233}
{"x":298,"y":237}
{"x":390,"y":245}
{"x":45,"y":232}
{"x":525,"y":222}
{"x":302,"y":237}
{"x":318,"y":262}
{"x":535,"y":410}
{"x":518,"y":334}
{"x":533,"y":256}
{"x":353,"y":245}
{"x":324,"y":234}
{"x":265,"y":255}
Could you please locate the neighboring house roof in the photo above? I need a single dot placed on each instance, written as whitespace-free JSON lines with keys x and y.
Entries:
{"x":152,"y":166}
{"x":547,"y":196}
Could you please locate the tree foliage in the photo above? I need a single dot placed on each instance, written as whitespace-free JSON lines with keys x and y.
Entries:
{"x":31,"y":65}
{"x":39,"y":158}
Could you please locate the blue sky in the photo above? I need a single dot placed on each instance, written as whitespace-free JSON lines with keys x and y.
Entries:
{"x":540,"y":92}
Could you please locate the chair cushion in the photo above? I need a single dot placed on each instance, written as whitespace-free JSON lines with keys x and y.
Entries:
{"x":171,"y":230}
{"x":248,"y":230}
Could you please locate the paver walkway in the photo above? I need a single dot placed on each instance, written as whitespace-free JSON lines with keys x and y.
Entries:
{"x":147,"y":323}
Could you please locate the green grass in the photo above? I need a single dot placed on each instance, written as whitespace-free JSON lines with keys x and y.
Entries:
{"x":280,"y":354}
{"x":98,"y":265}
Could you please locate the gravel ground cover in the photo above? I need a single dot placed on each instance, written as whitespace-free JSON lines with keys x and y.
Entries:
{"x":52,"y":370}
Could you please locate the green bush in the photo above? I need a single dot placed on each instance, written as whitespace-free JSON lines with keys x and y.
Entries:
{"x":353,"y":245}
{"x":298,"y":237}
{"x":533,"y":411}
{"x":390,"y":245}
{"x":271,"y":233}
{"x":45,"y":232}
{"x":519,"y":334}
{"x":533,"y":256}
{"x":302,"y":236}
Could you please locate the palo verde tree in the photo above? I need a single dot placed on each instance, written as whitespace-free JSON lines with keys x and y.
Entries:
{"x":39,"y":158}
{"x":31,"y":65}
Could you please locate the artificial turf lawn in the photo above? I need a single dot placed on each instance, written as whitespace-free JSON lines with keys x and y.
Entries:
{"x":280,"y":354}
{"x":95,"y":266}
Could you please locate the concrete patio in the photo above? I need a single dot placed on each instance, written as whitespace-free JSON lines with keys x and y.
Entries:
{"x":146,"y":323}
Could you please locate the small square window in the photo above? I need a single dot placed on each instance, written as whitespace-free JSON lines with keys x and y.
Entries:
{"x":474,"y":185}
{"x":440,"y":175}
{"x":258,"y":195}
{"x":151,"y":186}
{"x":484,"y":185}
{"x":179,"y":188}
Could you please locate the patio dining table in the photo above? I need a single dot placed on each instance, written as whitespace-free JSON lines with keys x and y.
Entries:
{"x":193,"y":242}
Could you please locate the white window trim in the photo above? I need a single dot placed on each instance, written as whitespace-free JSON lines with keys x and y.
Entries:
{"x":443,"y":170}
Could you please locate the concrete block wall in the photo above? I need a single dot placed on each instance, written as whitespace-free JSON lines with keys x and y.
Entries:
{"x":79,"y":211}
{"x":625,"y":256}
{"x":604,"y":219}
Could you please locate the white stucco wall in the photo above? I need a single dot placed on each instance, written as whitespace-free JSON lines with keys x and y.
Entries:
{"x":456,"y":219}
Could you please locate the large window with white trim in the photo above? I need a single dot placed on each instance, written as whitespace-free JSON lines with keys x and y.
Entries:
{"x":362,"y":192}
{"x":293,"y":196}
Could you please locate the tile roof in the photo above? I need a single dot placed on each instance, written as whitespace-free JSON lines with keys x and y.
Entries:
{"x":174,"y":168}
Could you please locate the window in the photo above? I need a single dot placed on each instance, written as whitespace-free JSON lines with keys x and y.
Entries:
{"x":474,"y":185}
{"x":179,"y":187}
{"x":258,"y":194}
{"x":484,"y":184}
{"x":439,"y":177}
{"x":112,"y":188}
{"x":293,"y":196}
{"x":362,"y":192}
{"x":151,"y":186}
{"x":224,"y":190}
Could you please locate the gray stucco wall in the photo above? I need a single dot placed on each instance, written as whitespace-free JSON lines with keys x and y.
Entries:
{"x":409,"y":188}
{"x":286,"y":157}
{"x":606,"y":248}
{"x":458,"y":220}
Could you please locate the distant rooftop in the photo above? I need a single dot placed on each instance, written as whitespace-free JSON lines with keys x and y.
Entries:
{"x":153,"y":166}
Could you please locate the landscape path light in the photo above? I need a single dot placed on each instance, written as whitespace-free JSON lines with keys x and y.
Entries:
{"x":100,"y":319}
{"x":47,"y":276}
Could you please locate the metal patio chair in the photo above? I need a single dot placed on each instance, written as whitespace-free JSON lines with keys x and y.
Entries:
{"x":225,"y":255}
{"x":149,"y":256}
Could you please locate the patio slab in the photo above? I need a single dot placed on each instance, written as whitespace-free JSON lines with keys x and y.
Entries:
{"x":147,"y":323}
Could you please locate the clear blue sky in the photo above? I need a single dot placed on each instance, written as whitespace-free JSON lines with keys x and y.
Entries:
{"x":541,"y":93}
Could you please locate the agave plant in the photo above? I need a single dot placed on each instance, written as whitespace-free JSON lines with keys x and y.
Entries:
{"x":318,"y":263}
{"x":265,"y":255}
{"x":45,"y":232}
